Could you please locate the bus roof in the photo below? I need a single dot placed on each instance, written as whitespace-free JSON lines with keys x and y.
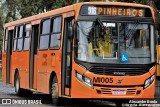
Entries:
{"x":71,"y":8}
{"x":118,"y":4}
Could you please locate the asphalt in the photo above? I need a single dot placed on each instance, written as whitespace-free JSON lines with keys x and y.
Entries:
{"x":8,"y":92}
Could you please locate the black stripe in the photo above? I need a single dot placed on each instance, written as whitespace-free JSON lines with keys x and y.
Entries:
{"x":118,"y":86}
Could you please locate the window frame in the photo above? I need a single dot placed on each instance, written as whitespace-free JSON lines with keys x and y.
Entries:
{"x":15,"y":37}
{"x":41,"y":29}
{"x":19,"y":27}
{"x":24,"y":36}
{"x":52,"y":25}
{"x":5,"y":40}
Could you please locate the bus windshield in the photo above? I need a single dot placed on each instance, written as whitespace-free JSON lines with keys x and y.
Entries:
{"x":108,"y":42}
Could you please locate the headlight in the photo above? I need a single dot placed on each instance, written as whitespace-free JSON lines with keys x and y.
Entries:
{"x":87,"y":81}
{"x":149,"y":81}
{"x":79,"y":76}
{"x":152,"y":78}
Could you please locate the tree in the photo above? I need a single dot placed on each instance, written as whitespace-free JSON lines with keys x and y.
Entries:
{"x":11,"y":7}
{"x":2,"y":19}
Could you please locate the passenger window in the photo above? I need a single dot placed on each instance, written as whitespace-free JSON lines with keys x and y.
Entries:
{"x":20,"y":38}
{"x":27,"y":37}
{"x":45,"y":32}
{"x":46,"y":26}
{"x":21,"y":31}
{"x":57,"y":22}
{"x":5,"y":40}
{"x":15,"y":39}
{"x":56,"y":33}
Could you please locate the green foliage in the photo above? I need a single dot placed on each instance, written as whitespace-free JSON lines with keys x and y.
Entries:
{"x":11,"y":10}
{"x":2,"y":19}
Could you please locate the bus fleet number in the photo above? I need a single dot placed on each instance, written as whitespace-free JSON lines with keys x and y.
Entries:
{"x":92,"y":10}
{"x":102,"y":80}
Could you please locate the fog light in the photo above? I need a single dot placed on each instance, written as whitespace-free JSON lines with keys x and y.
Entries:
{"x":138,"y":91}
{"x":99,"y":91}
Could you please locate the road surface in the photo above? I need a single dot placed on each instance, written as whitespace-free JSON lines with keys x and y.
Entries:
{"x":6,"y":91}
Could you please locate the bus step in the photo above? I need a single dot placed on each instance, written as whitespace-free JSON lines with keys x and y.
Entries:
{"x":33,"y":90}
{"x":65,"y":96}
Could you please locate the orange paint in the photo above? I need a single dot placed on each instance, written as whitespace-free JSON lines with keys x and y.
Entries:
{"x":45,"y":62}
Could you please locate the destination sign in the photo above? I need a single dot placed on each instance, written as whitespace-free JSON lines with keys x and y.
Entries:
{"x":115,"y":11}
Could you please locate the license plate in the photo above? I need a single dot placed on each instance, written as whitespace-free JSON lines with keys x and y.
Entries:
{"x":119,"y":92}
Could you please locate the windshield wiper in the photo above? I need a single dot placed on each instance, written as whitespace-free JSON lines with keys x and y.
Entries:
{"x":101,"y":24}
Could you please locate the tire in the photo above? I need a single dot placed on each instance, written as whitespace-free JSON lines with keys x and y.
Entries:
{"x":54,"y":92}
{"x":19,"y":91}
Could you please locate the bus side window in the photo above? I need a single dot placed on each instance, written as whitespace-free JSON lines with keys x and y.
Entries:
{"x":15,"y":38}
{"x":56,"y":32}
{"x":20,"y":38}
{"x":45,"y":32}
{"x":27,"y":36}
{"x":5,"y":42}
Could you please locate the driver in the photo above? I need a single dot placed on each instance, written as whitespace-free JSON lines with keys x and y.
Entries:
{"x":135,"y":40}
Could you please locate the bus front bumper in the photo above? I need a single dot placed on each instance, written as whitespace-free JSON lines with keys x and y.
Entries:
{"x":124,"y":93}
{"x":100,"y":92}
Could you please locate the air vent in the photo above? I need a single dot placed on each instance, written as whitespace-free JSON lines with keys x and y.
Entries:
{"x":118,"y":71}
{"x":129,"y":91}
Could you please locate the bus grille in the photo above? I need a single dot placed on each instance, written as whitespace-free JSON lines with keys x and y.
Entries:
{"x":118,"y":71}
{"x":129,"y":91}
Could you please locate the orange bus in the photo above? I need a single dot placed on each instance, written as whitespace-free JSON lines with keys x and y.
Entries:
{"x":94,"y":50}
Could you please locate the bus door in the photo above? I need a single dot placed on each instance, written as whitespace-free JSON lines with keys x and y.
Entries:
{"x":67,"y":53}
{"x":158,"y":54}
{"x":8,"y":57}
{"x":33,"y":53}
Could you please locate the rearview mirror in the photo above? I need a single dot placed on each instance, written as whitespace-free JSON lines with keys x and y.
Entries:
{"x":70,"y":32}
{"x":157,"y":37}
{"x":70,"y":28}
